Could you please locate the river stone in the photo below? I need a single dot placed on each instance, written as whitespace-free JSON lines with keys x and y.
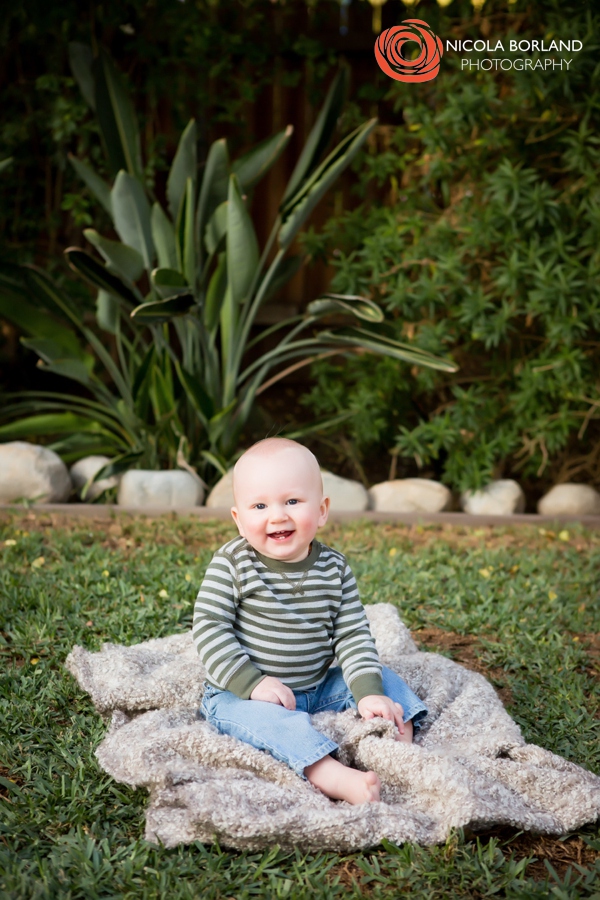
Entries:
{"x":169,"y":489}
{"x":498,"y":498}
{"x":570,"y":500}
{"x":86,"y":468}
{"x":345,"y":495}
{"x":410,"y":495}
{"x":32,"y":472}
{"x":221,"y":496}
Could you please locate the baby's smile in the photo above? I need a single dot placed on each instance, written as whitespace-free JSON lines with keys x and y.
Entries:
{"x":279,"y":535}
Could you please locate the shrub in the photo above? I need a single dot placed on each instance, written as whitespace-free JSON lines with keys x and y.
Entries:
{"x":487,"y":247}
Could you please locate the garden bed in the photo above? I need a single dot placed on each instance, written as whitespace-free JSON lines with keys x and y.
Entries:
{"x":518,"y":604}
{"x":102,"y":512}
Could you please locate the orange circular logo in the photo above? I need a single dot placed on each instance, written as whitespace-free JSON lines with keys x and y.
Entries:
{"x":388,"y":51}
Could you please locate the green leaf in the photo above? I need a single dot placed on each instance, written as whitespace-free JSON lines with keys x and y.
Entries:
{"x":107,"y":311}
{"x":185,"y":234}
{"x":75,"y":446}
{"x":6,"y":163}
{"x":200,"y":400}
{"x":141,"y":376}
{"x":215,"y":184}
{"x":321,"y":133}
{"x":118,"y":465}
{"x":361,"y":307}
{"x":251,"y":167}
{"x":45,"y":424}
{"x":80,"y":61}
{"x":131,"y":214}
{"x":163,"y":235}
{"x":163,"y":310}
{"x":185,"y":165}
{"x":216,"y":229}
{"x":215,"y":294}
{"x":301,"y":204}
{"x":163,"y":401}
{"x":384,"y":346}
{"x":51,"y":351}
{"x":218,"y":462}
{"x":286,"y":270}
{"x":42,"y":287}
{"x":124,"y":259}
{"x":169,"y":283}
{"x":99,"y":188}
{"x":36,"y":322}
{"x":242,"y":246}
{"x":117,"y":120}
{"x":85,"y":264}
{"x":69,"y":368}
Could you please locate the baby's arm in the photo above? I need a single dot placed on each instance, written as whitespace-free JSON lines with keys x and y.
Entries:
{"x":272,"y":690}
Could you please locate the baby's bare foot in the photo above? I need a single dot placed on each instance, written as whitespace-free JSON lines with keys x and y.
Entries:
{"x":342,"y":783}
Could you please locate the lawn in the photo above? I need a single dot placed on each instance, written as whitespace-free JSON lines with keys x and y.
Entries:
{"x":519,"y":605}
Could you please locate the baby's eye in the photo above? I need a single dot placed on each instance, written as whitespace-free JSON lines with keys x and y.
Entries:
{"x":260,"y":506}
{"x":291,"y":502}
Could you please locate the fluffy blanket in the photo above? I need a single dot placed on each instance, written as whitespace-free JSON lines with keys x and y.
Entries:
{"x":469,"y":766}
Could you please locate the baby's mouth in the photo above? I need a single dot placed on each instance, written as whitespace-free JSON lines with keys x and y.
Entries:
{"x":279,"y":535}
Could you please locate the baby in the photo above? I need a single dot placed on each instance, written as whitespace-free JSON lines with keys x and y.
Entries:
{"x":274,"y":609}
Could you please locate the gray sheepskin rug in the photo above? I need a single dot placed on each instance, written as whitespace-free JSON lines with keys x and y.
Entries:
{"x":469,"y":766}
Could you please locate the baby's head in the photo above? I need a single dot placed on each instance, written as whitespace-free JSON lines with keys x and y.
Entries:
{"x":279,"y":502}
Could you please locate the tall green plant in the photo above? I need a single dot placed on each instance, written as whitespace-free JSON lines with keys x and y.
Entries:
{"x":487,"y":247}
{"x":180,"y":291}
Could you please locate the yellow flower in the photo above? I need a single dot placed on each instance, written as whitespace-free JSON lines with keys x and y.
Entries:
{"x":393,"y":551}
{"x":34,"y":660}
{"x":106,"y":573}
{"x":563,"y":535}
{"x":9,"y":543}
{"x":37,"y":563}
{"x":188,"y":577}
{"x":552,"y":595}
{"x":485,"y":573}
{"x":163,"y":593}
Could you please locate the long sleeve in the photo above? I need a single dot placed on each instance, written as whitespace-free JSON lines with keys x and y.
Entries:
{"x":353,"y":643}
{"x":227,"y":664}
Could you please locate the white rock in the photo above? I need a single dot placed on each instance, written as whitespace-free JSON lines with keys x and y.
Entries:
{"x":570,"y":500}
{"x":345,"y":494}
{"x":498,"y":498}
{"x":86,"y":468}
{"x":170,"y":489}
{"x":32,"y":472}
{"x":410,"y":495}
{"x":221,"y":496}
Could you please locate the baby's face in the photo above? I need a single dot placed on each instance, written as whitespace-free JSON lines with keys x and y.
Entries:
{"x":279,"y":502}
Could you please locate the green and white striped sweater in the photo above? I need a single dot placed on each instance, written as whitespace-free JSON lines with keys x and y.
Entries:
{"x":256,"y":616}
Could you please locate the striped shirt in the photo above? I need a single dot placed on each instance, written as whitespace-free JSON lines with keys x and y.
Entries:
{"x":256,"y":616}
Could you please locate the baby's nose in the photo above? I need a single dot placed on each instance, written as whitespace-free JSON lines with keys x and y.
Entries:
{"x":278,"y":513}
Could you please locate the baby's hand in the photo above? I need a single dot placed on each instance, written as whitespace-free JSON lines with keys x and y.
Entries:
{"x":379,"y":705}
{"x":272,"y":690}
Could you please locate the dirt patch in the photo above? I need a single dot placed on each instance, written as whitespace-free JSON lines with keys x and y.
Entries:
{"x":463,"y":649}
{"x":559,"y":853}
{"x":591,"y":645}
{"x":5,"y":792}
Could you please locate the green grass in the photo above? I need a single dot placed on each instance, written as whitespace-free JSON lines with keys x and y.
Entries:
{"x":69,"y":831}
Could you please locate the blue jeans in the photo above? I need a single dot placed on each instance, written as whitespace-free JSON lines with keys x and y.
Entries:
{"x":288,"y":735}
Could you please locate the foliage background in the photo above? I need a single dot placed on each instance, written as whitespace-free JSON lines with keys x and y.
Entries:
{"x":486,"y":246}
{"x":473,"y":216}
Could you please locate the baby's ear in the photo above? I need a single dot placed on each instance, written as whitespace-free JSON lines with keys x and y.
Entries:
{"x":324,"y":511}
{"x":236,"y":519}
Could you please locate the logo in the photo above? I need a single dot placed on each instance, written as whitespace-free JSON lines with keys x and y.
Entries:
{"x":390,"y":58}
